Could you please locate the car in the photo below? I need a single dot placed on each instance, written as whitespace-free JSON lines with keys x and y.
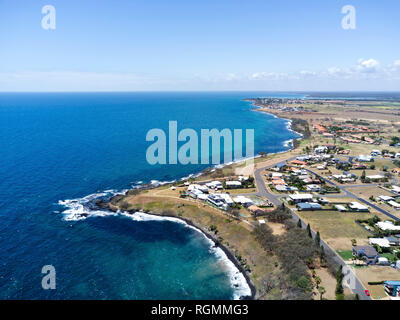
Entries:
{"x":367,"y":293}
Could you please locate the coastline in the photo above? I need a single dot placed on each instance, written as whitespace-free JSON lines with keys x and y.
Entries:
{"x":104,"y":208}
{"x":215,"y":244}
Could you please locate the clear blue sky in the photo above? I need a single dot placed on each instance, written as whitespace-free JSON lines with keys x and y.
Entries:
{"x":129,"y":45}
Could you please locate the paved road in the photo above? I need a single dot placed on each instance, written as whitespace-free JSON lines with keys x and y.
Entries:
{"x":347,"y":193}
{"x":357,"y":287}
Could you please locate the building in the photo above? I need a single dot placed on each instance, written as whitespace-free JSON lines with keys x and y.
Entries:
{"x":366,"y":252}
{"x":383,"y":261}
{"x":396,"y":189}
{"x":233,"y":184}
{"x":363,"y":158}
{"x":393,"y":241}
{"x":303,"y":206}
{"x":313,"y":188}
{"x":243,"y":200}
{"x":394,"y":204}
{"x":321,"y":149}
{"x":376,"y":177}
{"x":216,"y":185}
{"x":300,"y":197}
{"x":355,"y":206}
{"x":341,"y":208}
{"x":392,"y":288}
{"x":385,"y":198}
{"x":382,"y":242}
{"x":387,"y":225}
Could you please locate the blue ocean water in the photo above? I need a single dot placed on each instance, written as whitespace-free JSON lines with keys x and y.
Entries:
{"x":60,"y":146}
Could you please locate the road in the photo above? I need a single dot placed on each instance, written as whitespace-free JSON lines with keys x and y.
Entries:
{"x":349,"y":194}
{"x":357,"y":287}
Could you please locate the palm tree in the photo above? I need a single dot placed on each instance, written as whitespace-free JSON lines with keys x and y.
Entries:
{"x":321,"y":291}
{"x":317,"y":281}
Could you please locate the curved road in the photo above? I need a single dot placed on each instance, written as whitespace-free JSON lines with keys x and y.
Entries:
{"x":356,"y":286}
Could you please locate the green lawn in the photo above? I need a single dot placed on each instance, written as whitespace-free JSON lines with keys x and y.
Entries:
{"x":345,"y":254}
{"x":390,"y":256}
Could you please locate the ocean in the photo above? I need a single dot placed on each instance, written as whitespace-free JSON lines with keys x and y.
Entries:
{"x":61,"y":151}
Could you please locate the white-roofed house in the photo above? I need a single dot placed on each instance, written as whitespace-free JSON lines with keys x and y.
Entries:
{"x":233,"y":184}
{"x":387,"y":225}
{"x":383,"y":243}
{"x":356,"y":206}
{"x":300,"y":197}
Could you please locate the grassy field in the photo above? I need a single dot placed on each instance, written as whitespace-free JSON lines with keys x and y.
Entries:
{"x":375,"y":274}
{"x":337,"y":228}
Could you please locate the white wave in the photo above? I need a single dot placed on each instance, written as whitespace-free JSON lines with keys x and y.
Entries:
{"x":77,"y":209}
{"x":237,"y":279}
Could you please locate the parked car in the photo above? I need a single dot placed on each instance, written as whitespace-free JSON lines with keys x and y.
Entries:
{"x":367,"y":293}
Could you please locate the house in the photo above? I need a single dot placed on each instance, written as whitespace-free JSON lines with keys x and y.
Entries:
{"x":396,"y":189}
{"x":298,"y":163}
{"x":308,"y":206}
{"x":359,"y":166}
{"x":385,"y":198}
{"x":382,"y":242}
{"x":392,"y":288}
{"x":363,"y":158}
{"x":313,"y":188}
{"x":394,"y":204}
{"x":356,"y":206}
{"x":280,"y":166}
{"x":396,"y":170}
{"x":233,"y":184}
{"x":341,"y":208}
{"x":387,"y":225}
{"x":216,"y":200}
{"x":367,"y":252}
{"x":297,"y":198}
{"x":276,"y":175}
{"x":282,"y":188}
{"x":383,"y":261}
{"x":322,"y":149}
{"x":226,"y":198}
{"x":376,"y":177}
{"x":393,"y":241}
{"x":243,"y":200}
{"x":216,"y":185}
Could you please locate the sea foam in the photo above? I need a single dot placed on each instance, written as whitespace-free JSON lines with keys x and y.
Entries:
{"x":80,"y":209}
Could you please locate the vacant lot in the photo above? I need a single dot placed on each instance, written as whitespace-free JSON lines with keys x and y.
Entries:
{"x":376,"y":273}
{"x":368,"y":191}
{"x":337,"y":228}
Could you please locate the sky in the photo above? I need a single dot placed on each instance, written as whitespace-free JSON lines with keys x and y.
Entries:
{"x":187,"y":45}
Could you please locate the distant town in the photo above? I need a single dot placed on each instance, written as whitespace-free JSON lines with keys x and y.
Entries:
{"x":296,"y":220}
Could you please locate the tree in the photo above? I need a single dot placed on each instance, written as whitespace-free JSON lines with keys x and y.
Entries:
{"x":309,"y":231}
{"x":318,"y":239}
{"x":317,"y":281}
{"x":339,"y":280}
{"x":363,"y":176}
{"x":321,"y":291}
{"x":299,"y":223}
